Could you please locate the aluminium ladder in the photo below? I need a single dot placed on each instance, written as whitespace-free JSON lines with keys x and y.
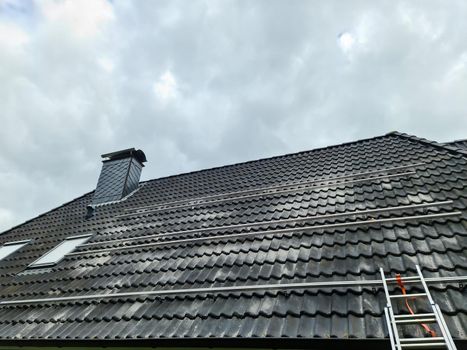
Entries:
{"x":397,"y":343}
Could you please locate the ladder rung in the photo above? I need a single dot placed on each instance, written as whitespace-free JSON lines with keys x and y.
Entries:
{"x":424,"y":345}
{"x":416,"y":320}
{"x":405,"y":316}
{"x":415,"y":340}
{"x":407,"y":278}
{"x":413,"y":295}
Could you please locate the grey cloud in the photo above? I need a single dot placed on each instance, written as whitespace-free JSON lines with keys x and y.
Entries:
{"x":252,"y":79}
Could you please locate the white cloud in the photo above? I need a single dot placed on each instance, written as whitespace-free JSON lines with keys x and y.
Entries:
{"x":166,"y":87}
{"x":457,"y":71}
{"x":346,"y":41}
{"x":421,"y":23}
{"x":106,"y":64}
{"x":84,"y":18}
{"x":12,"y":37}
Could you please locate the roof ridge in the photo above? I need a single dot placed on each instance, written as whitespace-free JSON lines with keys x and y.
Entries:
{"x":431,"y":143}
{"x":267,"y":158}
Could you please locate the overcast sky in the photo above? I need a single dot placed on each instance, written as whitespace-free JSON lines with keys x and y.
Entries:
{"x":197,"y":84}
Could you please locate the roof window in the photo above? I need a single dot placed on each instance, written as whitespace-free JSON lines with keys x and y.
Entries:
{"x":58,"y":253}
{"x":10,"y":248}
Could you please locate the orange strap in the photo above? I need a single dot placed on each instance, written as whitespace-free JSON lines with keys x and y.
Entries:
{"x":404,"y":291}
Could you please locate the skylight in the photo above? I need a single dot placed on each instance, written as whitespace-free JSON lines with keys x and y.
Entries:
{"x":58,"y":253}
{"x":9,"y":248}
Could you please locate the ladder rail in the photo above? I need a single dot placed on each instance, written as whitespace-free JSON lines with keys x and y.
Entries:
{"x":443,"y":327}
{"x":390,"y":330}
{"x":392,"y":323}
{"x":437,"y":311}
{"x":385,"y":286}
{"x":425,"y":287}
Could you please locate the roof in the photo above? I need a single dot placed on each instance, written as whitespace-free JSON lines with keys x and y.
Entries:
{"x":330,"y":214}
{"x":460,"y":144}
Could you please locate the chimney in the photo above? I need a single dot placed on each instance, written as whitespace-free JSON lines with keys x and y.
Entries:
{"x":119,"y":176}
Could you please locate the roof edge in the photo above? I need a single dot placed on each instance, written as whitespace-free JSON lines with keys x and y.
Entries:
{"x":427,"y":142}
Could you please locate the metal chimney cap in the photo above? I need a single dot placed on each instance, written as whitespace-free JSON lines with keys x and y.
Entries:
{"x":125,"y":153}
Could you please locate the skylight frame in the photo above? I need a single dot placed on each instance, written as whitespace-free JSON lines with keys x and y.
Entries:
{"x":35,"y":264}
